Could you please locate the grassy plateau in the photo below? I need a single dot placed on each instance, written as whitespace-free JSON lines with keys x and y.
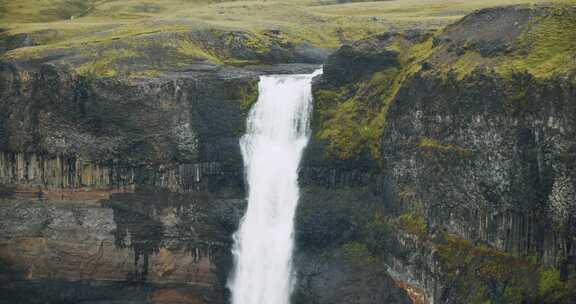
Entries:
{"x":96,"y":36}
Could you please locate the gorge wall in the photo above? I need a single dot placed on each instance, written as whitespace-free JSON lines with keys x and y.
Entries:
{"x":117,"y":189}
{"x":460,"y":147}
{"x":123,"y":189}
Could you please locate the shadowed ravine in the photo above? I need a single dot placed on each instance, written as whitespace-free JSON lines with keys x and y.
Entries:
{"x":277,"y":132}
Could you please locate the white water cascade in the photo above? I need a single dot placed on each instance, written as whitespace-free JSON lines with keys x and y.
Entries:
{"x":277,"y":133}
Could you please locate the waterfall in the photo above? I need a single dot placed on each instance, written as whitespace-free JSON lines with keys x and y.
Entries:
{"x":277,"y":132}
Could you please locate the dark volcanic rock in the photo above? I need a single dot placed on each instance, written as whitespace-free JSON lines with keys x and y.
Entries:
{"x":332,"y":278}
{"x":137,"y":246}
{"x":143,"y":119}
{"x":332,"y":266}
{"x":484,"y":156}
{"x":351,"y":62}
{"x":491,"y":32}
{"x":507,"y":176}
{"x":131,"y":185}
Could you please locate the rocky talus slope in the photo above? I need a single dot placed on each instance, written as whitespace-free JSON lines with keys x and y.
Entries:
{"x":459,"y":145}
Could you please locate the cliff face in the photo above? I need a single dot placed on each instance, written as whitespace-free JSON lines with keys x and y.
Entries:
{"x":121,"y":189}
{"x":119,"y":121}
{"x":157,"y":247}
{"x":469,"y":132}
{"x":128,"y":189}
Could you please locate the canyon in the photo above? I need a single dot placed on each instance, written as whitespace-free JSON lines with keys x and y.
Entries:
{"x":440,"y":169}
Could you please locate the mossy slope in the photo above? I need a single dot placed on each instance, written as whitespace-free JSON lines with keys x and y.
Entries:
{"x":511,"y":43}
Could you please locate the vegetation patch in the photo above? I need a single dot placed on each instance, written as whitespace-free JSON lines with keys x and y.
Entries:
{"x":547,"y":47}
{"x":482,"y":274}
{"x":248,"y":95}
{"x":359,"y":253}
{"x":194,"y":51}
{"x":106,"y":62}
{"x":352,"y":118}
{"x":414,"y":223}
{"x":372,"y":243}
{"x":552,"y":289}
{"x":432,"y":145}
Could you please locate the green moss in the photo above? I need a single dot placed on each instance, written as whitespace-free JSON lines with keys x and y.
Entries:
{"x":430,"y":145}
{"x":248,"y":96}
{"x":546,"y":47}
{"x":106,"y":63}
{"x":549,"y":282}
{"x":351,"y":119}
{"x":342,"y":130}
{"x":193,"y":50}
{"x":372,"y":241}
{"x":484,"y":273}
{"x":552,"y":289}
{"x":466,"y":64}
{"x":480,"y":274}
{"x":359,"y":253}
{"x":414,"y":223}
{"x":257,"y":43}
{"x":146,"y":73}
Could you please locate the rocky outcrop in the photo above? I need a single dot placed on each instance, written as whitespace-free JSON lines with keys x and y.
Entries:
{"x":120,"y":188}
{"x":473,"y":166}
{"x":167,"y":46}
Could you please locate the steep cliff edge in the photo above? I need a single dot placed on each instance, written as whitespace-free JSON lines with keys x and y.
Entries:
{"x":461,"y":145}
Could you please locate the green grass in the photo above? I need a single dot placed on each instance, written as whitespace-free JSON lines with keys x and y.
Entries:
{"x":324,"y":23}
{"x":105,"y":62}
{"x":547,"y":46}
